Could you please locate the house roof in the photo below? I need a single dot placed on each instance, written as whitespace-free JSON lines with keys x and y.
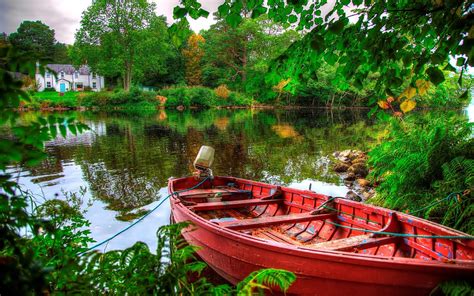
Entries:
{"x":69,"y":69}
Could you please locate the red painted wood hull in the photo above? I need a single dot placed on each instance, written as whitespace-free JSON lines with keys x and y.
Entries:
{"x":234,"y":255}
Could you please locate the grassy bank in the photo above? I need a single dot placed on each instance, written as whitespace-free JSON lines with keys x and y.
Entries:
{"x":173,"y":97}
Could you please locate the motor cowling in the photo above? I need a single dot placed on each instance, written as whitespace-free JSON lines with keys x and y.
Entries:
{"x":204,"y":160}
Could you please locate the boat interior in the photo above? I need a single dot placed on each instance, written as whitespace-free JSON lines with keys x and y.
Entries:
{"x":306,"y":219}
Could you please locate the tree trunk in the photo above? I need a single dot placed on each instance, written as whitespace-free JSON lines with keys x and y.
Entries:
{"x":127,"y":79}
{"x":244,"y":60}
{"x":127,"y":82}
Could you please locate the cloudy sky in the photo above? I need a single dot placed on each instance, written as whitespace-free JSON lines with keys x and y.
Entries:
{"x":64,"y":16}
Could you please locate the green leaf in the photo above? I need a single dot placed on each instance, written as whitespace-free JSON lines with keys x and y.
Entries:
{"x":203,"y":13}
{"x":258,"y":11}
{"x":62,"y":129}
{"x":223,"y":9}
{"x":460,"y":61}
{"x":179,"y":12}
{"x":448,"y":67}
{"x":233,"y":19}
{"x":72,"y":128}
{"x":436,"y":75}
{"x":53,"y":130}
{"x":293,"y":19}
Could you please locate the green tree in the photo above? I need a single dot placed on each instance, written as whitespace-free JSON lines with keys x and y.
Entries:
{"x":154,"y":53}
{"x":61,"y":54}
{"x":402,"y":41}
{"x":109,"y":37}
{"x":34,"y":40}
{"x":240,"y":56}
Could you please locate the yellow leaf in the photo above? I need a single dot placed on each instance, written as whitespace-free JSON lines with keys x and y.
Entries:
{"x":383,"y":104}
{"x":408,"y":93}
{"x":407,"y":105}
{"x":281,"y":85}
{"x":422,"y":86}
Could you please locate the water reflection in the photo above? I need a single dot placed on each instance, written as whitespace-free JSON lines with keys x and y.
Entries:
{"x":125,"y":160}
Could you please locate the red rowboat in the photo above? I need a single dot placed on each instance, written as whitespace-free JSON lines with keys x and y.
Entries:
{"x":333,"y":245}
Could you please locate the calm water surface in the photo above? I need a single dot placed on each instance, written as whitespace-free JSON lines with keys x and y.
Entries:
{"x":124,"y":161}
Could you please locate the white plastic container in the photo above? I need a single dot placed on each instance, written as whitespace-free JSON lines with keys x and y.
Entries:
{"x":204,"y":158}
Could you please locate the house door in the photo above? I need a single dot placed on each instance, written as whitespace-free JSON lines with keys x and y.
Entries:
{"x":62,"y":87}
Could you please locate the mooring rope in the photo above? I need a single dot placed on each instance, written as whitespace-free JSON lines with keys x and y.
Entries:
{"x":142,"y":217}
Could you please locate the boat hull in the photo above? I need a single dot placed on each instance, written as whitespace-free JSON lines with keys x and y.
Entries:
{"x":234,"y":255}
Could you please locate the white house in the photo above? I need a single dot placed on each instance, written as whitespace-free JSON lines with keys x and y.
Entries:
{"x":69,"y":78}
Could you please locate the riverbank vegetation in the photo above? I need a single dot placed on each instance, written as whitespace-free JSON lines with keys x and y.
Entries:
{"x":390,"y":56}
{"x":45,"y":247}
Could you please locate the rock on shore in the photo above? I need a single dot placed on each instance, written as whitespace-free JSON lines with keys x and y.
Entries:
{"x":351,"y":165}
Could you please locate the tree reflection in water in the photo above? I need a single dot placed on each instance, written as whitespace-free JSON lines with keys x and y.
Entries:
{"x":128,"y":157}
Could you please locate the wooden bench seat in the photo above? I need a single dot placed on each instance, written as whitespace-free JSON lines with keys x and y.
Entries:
{"x":354,"y":242}
{"x":205,"y":193}
{"x":275,"y":220}
{"x":234,"y":204}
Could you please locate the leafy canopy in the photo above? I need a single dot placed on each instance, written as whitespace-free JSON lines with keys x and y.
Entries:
{"x":402,"y":41}
{"x":111,"y":34}
{"x":36,"y":42}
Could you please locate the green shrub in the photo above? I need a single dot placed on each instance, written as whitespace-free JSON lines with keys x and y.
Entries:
{"x":97,"y":99}
{"x":423,"y":160}
{"x":239,"y":99}
{"x":201,"y":97}
{"x":176,"y":96}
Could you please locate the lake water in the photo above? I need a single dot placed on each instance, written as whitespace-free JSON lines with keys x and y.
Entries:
{"x":123,"y":163}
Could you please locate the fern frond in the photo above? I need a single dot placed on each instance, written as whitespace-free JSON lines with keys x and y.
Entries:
{"x":264,"y":279}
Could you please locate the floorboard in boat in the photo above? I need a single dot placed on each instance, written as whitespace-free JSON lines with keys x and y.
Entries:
{"x":274,"y":235}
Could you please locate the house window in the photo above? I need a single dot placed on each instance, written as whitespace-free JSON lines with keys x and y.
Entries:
{"x":62,"y":74}
{"x":48,"y":74}
{"x":76,"y":74}
{"x":48,"y":84}
{"x":94,"y":84}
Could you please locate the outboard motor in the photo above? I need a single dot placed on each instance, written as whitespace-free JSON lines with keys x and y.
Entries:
{"x":203,"y":162}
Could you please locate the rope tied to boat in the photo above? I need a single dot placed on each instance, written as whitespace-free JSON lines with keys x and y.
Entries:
{"x":452,"y":195}
{"x":142,"y":217}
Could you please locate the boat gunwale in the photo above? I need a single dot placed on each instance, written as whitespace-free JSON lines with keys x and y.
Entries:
{"x":326,"y":255}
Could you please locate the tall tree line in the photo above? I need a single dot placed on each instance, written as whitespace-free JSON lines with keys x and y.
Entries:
{"x":36,"y":41}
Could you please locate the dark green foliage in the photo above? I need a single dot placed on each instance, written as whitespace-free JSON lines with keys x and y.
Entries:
{"x":22,"y":269}
{"x":137,"y":271}
{"x":455,"y":288}
{"x":34,"y":40}
{"x":402,"y":41}
{"x":423,"y":160}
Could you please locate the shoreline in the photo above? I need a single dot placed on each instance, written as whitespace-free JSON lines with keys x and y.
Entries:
{"x":253,"y":107}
